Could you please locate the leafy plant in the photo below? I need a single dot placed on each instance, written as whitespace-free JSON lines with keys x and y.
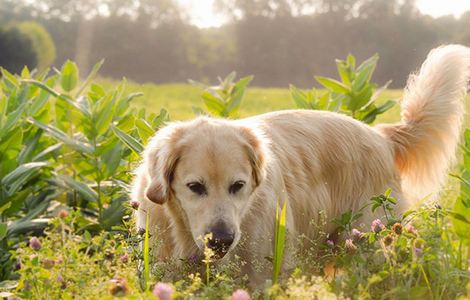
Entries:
{"x":354,"y":95}
{"x":65,"y":142}
{"x":461,"y":208}
{"x":279,"y":241}
{"x":224,"y":100}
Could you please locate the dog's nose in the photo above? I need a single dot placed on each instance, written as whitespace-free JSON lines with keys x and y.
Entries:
{"x":222,"y":239}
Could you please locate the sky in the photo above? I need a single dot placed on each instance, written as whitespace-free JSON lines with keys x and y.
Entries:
{"x":203,"y":15}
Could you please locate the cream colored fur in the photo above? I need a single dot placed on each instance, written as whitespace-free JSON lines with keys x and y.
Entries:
{"x":316,"y":161}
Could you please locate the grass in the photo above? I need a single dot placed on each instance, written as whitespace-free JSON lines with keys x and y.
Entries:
{"x":178,"y":99}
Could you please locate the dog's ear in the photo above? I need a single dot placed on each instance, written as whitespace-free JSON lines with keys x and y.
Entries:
{"x":255,"y":148}
{"x":160,"y":158}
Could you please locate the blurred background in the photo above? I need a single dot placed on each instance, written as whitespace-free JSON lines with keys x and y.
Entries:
{"x":280,"y":42}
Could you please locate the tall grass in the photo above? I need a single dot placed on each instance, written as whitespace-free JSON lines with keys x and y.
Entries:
{"x":279,"y":242}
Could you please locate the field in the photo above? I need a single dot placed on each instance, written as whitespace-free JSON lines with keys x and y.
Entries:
{"x":179,"y":99}
{"x":67,"y":230}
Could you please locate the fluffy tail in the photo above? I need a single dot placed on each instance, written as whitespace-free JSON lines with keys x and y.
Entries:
{"x":432,"y":111}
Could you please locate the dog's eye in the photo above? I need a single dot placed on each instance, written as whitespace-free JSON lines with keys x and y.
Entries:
{"x":197,"y":187}
{"x":235,"y":187}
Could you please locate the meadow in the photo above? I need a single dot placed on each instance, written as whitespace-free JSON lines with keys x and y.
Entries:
{"x":67,"y":149}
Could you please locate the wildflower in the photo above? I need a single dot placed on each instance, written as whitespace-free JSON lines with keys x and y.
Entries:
{"x":418,"y":251}
{"x":240,"y":295}
{"x":356,"y":235}
{"x":61,"y":280}
{"x":63,"y":214}
{"x":377,"y":226}
{"x":118,"y":287}
{"x":349,"y":246}
{"x":135,"y":204}
{"x":125,"y":258}
{"x":35,"y":244}
{"x":18,"y":265}
{"x":418,"y":247}
{"x":163,"y":291}
{"x":397,"y":228}
{"x":411,"y":229}
{"x":388,"y":240}
{"x":330,"y":243}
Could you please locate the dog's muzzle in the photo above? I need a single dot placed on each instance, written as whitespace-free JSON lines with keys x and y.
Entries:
{"x":222,"y":239}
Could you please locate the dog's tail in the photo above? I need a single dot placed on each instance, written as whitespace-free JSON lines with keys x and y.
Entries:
{"x":432,"y":111}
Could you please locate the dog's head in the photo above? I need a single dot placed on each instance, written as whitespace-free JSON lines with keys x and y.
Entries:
{"x":211,"y":168}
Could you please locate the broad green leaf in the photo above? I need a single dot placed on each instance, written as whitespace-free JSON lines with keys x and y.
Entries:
{"x":130,"y":141}
{"x":144,"y":129}
{"x":24,"y":226}
{"x":159,"y":120}
{"x":3,"y":230}
{"x":344,"y":72}
{"x":112,"y":159}
{"x":10,"y":79}
{"x":12,"y":119}
{"x":62,"y":137}
{"x":90,"y":76}
{"x":379,"y":91}
{"x":299,"y":97}
{"x":114,"y":214}
{"x":69,"y":76}
{"x":5,"y":207}
{"x":41,"y":155}
{"x":12,"y":140}
{"x":20,"y":171}
{"x":364,"y":73}
{"x":238,"y":92}
{"x":104,"y":115}
{"x":25,"y":72}
{"x":351,"y":60}
{"x":30,"y":145}
{"x":333,"y":85}
{"x":214,"y":105}
{"x":80,"y":187}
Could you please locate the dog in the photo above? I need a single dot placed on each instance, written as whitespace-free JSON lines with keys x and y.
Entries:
{"x":227,"y":177}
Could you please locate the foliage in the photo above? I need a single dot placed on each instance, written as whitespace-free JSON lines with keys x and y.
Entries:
{"x":17,"y":50}
{"x":461,"y":220}
{"x":42,"y":43}
{"x":419,"y":256}
{"x":355,"y":95}
{"x":65,"y":144}
{"x":224,"y":100}
{"x":279,"y":242}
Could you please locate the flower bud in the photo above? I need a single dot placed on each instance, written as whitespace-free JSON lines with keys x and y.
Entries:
{"x":377,"y":226}
{"x":35,"y":243}
{"x":240,"y":295}
{"x":163,"y":291}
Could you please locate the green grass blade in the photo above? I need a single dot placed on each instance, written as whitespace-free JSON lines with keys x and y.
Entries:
{"x":279,"y":242}
{"x":146,"y":254}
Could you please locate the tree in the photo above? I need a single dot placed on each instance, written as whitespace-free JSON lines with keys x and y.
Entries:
{"x":17,"y":50}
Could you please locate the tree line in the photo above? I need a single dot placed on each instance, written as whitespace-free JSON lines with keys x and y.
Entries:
{"x":279,"y":42}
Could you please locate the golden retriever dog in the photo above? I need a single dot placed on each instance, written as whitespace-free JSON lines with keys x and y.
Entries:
{"x":226,"y":177}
